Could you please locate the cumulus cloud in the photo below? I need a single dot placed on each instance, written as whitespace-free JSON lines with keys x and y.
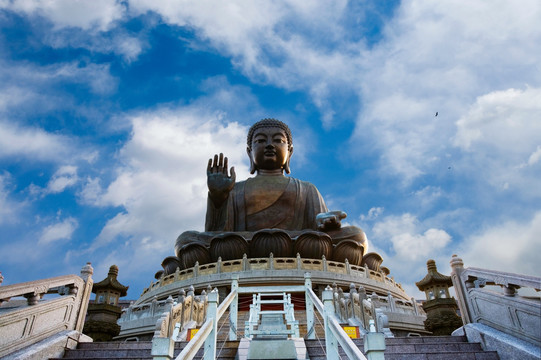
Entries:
{"x":31,"y":142}
{"x":9,"y":208}
{"x":88,"y":15}
{"x":534,"y":157}
{"x":502,"y":120}
{"x":60,"y":231}
{"x":373,"y":214}
{"x":162,"y":184}
{"x":500,"y":134}
{"x":407,"y":239}
{"x":27,"y":79}
{"x":265,"y":47}
{"x":64,"y":177}
{"x":406,"y":243}
{"x":442,"y":59}
{"x":512,"y":246}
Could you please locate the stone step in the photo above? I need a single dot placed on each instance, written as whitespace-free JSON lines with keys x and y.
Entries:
{"x":489,"y":355}
{"x":426,"y":339}
{"x":416,"y":348}
{"x":411,"y":348}
{"x":140,"y":350}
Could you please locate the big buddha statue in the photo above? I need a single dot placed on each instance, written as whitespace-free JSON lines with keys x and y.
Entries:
{"x":267,"y":213}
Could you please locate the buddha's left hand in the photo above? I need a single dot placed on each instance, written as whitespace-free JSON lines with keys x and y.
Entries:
{"x":331,"y":220}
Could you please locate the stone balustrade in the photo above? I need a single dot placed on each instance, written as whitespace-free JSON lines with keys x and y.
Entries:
{"x":483,"y":293}
{"x":187,"y":310}
{"x":23,"y":323}
{"x":249,"y":265}
{"x":387,"y":311}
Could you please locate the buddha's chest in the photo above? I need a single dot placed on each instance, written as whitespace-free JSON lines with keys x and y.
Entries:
{"x":262,"y":194}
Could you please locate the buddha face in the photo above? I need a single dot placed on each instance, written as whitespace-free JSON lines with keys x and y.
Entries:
{"x":270,"y":149}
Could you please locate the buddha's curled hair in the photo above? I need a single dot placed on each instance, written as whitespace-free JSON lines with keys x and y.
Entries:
{"x":269,"y":123}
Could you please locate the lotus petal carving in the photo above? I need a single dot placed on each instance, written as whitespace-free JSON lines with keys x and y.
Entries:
{"x":272,"y":241}
{"x":193,"y":253}
{"x":170,"y":265}
{"x":373,"y":261}
{"x":313,"y":245}
{"x":348,"y":249}
{"x":228,"y":246}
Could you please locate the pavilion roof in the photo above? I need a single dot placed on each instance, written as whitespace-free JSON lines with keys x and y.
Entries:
{"x":111,"y":283}
{"x":433,"y":277}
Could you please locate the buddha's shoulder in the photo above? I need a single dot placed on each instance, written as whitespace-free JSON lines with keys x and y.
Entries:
{"x":303,"y":184}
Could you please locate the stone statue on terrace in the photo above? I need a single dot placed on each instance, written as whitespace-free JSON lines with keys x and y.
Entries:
{"x":268,"y":213}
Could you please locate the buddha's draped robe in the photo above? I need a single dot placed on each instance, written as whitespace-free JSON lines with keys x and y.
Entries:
{"x":291,"y":207}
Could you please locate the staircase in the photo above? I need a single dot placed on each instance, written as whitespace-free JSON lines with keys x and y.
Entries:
{"x":417,"y":348}
{"x":138,"y":351}
{"x":411,"y":348}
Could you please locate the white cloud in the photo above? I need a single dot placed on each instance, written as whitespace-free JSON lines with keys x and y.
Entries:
{"x":91,"y":191}
{"x":500,"y":133}
{"x":407,"y":239}
{"x":59,"y":231}
{"x":264,"y":46}
{"x":505,"y":121}
{"x":27,"y":79}
{"x":162,"y":186}
{"x":32,"y":142}
{"x":512,"y":246}
{"x":442,"y":58}
{"x":534,"y":157}
{"x":96,"y":14}
{"x":406,"y":243}
{"x":64,"y":177}
{"x":373,"y":214}
{"x":9,"y":208}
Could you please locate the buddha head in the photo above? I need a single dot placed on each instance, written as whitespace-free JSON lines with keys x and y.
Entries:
{"x":270,"y":146}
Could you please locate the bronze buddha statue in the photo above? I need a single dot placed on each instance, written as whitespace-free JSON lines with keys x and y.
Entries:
{"x":270,"y":212}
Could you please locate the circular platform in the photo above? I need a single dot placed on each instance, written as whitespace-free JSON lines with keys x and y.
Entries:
{"x":273,"y":271}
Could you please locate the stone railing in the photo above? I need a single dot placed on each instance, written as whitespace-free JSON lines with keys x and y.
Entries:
{"x":387,"y":311}
{"x":187,"y":311}
{"x":271,"y":263}
{"x":163,"y":346}
{"x":490,"y":297}
{"x":23,"y":323}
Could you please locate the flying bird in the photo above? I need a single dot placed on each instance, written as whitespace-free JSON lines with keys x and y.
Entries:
{"x":436,"y":113}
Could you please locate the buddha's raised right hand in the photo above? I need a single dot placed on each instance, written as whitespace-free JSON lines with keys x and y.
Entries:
{"x":218,"y":181}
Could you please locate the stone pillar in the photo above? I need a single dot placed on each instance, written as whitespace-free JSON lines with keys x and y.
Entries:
{"x":310,"y":330}
{"x":457,"y":266}
{"x":233,"y":309}
{"x":331,"y":343}
{"x":210,"y":342}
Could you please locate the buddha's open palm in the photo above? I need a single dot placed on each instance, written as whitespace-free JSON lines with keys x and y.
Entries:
{"x":218,"y":180}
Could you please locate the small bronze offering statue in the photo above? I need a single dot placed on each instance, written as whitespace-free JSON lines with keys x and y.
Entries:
{"x":268,"y":213}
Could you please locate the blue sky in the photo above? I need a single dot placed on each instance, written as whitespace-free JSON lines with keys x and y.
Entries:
{"x":109,"y":111}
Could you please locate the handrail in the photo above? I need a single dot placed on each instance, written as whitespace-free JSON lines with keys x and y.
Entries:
{"x":207,"y":333}
{"x":479,"y":304}
{"x":189,"y":351}
{"x":225,"y":304}
{"x":503,"y":278}
{"x":334,"y":333}
{"x":275,"y":264}
{"x":317,"y":303}
{"x":69,"y":310}
{"x":39,"y":287}
{"x":348,"y":345}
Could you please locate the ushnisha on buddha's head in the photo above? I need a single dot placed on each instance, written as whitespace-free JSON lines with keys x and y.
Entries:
{"x":270,"y":146}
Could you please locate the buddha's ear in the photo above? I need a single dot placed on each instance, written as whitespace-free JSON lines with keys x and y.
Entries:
{"x":252,"y":164}
{"x":286,"y":165}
